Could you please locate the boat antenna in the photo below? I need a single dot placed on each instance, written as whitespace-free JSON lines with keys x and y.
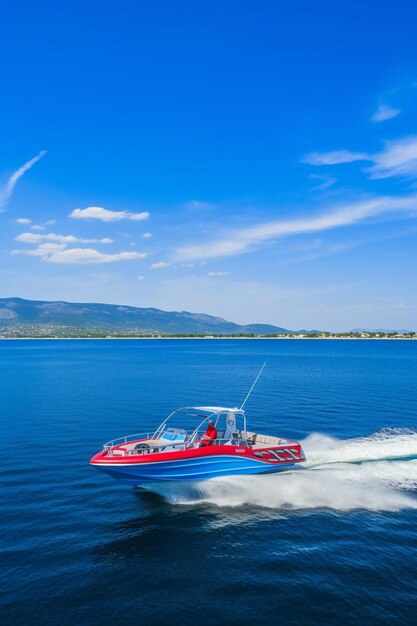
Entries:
{"x":253,"y":385}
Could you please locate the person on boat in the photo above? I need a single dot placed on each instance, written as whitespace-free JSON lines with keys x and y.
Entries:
{"x":209,"y":436}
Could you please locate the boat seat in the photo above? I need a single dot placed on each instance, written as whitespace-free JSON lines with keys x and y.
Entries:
{"x":260,"y":441}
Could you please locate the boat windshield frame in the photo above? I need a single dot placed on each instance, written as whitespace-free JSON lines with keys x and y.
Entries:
{"x":209,"y":414}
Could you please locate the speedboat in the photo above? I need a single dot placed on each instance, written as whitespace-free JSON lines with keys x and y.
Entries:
{"x":220,"y":445}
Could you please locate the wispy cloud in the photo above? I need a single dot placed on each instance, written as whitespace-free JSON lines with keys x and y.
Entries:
{"x":160,"y":265}
{"x":147,"y":235}
{"x":323,"y":250}
{"x":7,"y":191}
{"x":198,"y":205}
{"x":335,"y":157}
{"x":41,"y":237}
{"x":218,"y":273}
{"x":38,"y":226}
{"x":397,"y":158}
{"x":59,"y":253}
{"x":242,"y":240}
{"x":23,"y":220}
{"x":98,"y":213}
{"x":327,"y":181}
{"x":385,"y":112}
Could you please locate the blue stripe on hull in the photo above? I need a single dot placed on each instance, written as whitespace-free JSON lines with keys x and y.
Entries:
{"x":201,"y":468}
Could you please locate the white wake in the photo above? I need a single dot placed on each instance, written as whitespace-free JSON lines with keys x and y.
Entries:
{"x":378,"y":473}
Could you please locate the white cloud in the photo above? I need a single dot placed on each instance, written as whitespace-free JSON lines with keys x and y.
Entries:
{"x":23,"y":220}
{"x":399,"y":158}
{"x":140,"y":277}
{"x":242,"y":240}
{"x":94,"y":240}
{"x":39,"y":237}
{"x":7,"y":191}
{"x":49,"y":222}
{"x":218,"y":273}
{"x":42,"y":250}
{"x":160,"y":265}
{"x":385,"y":112}
{"x":59,"y":253}
{"x":147,"y":235}
{"x":89,"y":255}
{"x":335,"y":157}
{"x":37,"y":227}
{"x":98,"y":213}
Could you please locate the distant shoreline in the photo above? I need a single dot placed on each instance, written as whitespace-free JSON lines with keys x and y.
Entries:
{"x":208,"y":338}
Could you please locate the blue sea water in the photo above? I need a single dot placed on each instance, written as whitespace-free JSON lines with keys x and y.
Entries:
{"x":335,"y":543}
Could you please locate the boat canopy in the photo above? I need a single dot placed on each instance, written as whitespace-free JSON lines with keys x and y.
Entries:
{"x":213,"y":409}
{"x":208,"y":413}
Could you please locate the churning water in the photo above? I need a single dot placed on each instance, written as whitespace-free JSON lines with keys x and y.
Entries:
{"x":372,"y":473}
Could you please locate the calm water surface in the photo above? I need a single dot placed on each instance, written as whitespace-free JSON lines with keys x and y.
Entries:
{"x":333,"y":544}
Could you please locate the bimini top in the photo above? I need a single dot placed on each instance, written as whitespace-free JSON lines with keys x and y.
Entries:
{"x":206,"y":413}
{"x":214,"y":409}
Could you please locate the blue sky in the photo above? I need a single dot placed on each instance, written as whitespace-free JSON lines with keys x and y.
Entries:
{"x":253,"y":160}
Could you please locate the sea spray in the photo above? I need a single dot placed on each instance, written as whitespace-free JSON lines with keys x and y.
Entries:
{"x":377,"y":473}
{"x":386,"y":444}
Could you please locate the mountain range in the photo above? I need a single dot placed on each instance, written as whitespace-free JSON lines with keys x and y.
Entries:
{"x":18,"y":313}
{"x":19,"y":317}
